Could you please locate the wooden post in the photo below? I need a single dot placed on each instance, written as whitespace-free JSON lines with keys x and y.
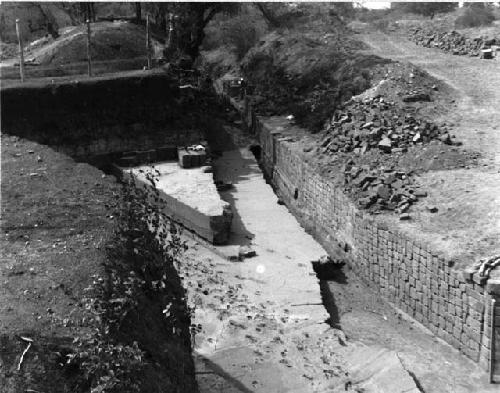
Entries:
{"x":21,"y":50}
{"x":170,"y":30}
{"x":492,"y":342}
{"x":148,"y":43}
{"x":89,"y":60}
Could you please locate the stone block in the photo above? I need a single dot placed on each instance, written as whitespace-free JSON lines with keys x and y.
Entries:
{"x":166,"y":153}
{"x":493,"y":286}
{"x":185,"y":159}
{"x":202,"y":212}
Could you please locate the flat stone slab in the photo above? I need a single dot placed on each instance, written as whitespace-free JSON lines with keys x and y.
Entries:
{"x":191,"y":198}
{"x":379,"y":370}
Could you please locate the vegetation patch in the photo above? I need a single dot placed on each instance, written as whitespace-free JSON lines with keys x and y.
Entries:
{"x":306,"y":76}
{"x":66,"y":227}
{"x":140,"y":338}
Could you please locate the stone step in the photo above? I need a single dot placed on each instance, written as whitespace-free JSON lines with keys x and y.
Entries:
{"x":190,"y":198}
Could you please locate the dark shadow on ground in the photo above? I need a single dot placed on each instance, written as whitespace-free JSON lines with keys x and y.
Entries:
{"x":327,"y":273}
{"x":220,"y":140}
{"x":213,"y":371}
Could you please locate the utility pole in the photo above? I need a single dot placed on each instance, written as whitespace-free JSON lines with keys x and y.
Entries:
{"x":21,"y":50}
{"x":148,"y":43}
{"x":89,"y":60}
{"x":170,"y":30}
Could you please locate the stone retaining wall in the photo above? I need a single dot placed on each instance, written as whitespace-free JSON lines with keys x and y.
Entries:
{"x":454,"y":305}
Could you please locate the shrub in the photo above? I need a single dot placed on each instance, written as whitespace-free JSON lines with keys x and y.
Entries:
{"x":241,"y":35}
{"x":139,"y":272}
{"x":474,"y":17}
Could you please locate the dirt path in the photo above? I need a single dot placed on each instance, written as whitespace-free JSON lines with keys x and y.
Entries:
{"x":476,"y":83}
{"x":466,"y":227}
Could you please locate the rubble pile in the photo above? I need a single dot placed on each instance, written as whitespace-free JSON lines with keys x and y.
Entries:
{"x":452,"y":41}
{"x":378,"y":124}
{"x":382,"y":188}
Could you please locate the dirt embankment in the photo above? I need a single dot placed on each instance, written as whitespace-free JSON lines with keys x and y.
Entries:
{"x":63,"y":231}
{"x":404,"y":144}
{"x":98,"y":116}
{"x":375,"y":117}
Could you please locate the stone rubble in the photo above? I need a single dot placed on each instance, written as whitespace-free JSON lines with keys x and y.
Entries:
{"x":385,"y":127}
{"x":381,"y":188}
{"x":451,"y":41}
{"x":379,"y":124}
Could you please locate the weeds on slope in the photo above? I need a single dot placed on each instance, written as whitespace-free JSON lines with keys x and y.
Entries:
{"x":137,"y":306}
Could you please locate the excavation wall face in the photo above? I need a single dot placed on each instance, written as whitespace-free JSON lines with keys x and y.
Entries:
{"x":90,"y":117}
{"x":453,"y":305}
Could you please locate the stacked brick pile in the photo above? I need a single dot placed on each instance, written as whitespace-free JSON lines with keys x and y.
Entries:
{"x":378,"y":124}
{"x":452,"y":41}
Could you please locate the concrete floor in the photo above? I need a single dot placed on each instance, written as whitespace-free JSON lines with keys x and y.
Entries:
{"x":190,"y":197}
{"x":263,"y":325}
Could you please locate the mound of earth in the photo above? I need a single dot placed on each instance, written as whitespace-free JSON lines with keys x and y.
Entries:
{"x":110,"y":41}
{"x":307,"y":74}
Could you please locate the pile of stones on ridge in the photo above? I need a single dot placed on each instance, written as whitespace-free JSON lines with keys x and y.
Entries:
{"x":383,"y":128}
{"x":383,"y":189}
{"x":378,"y":124}
{"x":452,"y":41}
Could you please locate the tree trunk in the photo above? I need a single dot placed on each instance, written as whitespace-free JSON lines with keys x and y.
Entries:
{"x":138,"y":12}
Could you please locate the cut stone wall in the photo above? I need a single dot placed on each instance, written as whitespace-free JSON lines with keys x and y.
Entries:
{"x":102,"y":115}
{"x":454,"y":305}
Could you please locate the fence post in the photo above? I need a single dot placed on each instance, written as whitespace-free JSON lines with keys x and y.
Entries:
{"x":21,"y":50}
{"x":148,"y":42}
{"x":170,"y":30}
{"x":89,"y":60}
{"x":492,"y":342}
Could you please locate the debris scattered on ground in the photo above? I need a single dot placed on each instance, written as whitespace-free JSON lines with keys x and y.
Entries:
{"x":451,"y":41}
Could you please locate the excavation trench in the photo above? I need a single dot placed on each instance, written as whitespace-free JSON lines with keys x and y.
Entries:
{"x":269,"y":322}
{"x":356,"y":295}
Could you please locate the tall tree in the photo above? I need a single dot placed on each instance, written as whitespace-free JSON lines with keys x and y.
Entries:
{"x":190,"y":21}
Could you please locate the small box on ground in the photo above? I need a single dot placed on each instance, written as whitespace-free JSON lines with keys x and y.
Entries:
{"x":487,"y":54}
{"x":198,"y":157}
{"x":185,"y":158}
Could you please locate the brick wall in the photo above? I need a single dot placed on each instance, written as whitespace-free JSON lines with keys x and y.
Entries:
{"x":454,"y":305}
